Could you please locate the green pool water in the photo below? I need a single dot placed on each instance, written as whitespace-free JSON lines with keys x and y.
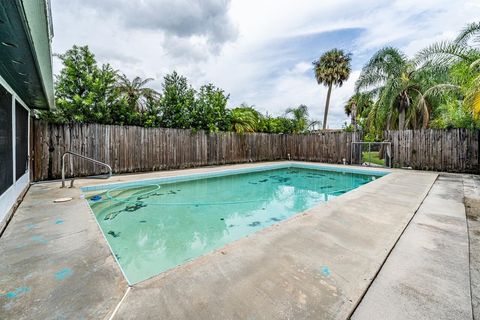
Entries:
{"x":153,"y":227}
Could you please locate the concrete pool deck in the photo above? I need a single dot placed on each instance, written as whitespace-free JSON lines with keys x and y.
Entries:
{"x":318,"y":264}
{"x":427,"y":274}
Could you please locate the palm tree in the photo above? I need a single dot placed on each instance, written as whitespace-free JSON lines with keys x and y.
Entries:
{"x":135,"y":91}
{"x":300,"y":118}
{"x":399,"y":84}
{"x":357,"y":104}
{"x":470,"y":32}
{"x":243,"y":119}
{"x":332,"y":69}
{"x":388,"y":75}
{"x":465,"y":48}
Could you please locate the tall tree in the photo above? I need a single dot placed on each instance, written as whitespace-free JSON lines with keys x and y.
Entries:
{"x":178,"y":99}
{"x":332,"y":69}
{"x":388,"y":74}
{"x":446,"y":55}
{"x":86,"y":92}
{"x":210,"y":109}
{"x":135,"y":91}
{"x":401,"y":89}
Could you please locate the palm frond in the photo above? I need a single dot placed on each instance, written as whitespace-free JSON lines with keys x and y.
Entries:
{"x":313,"y":123}
{"x":438,"y":89}
{"x":422,"y":109}
{"x":475,"y":64}
{"x":143,"y":82}
{"x":386,"y":63}
{"x":369,"y":78}
{"x":443,"y":53}
{"x":471,"y":31}
{"x":388,"y":60}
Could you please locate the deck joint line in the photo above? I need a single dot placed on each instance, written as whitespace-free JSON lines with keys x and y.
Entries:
{"x":119,"y":303}
{"x":465,"y":188}
{"x":359,"y":301}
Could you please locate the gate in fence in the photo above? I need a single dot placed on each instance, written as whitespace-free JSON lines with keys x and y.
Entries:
{"x":372,"y":154}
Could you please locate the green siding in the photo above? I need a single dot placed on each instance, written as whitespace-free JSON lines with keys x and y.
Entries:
{"x":25,"y":54}
{"x":37,"y":14}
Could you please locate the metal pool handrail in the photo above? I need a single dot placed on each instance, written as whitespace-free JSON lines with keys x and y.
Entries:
{"x":86,"y":158}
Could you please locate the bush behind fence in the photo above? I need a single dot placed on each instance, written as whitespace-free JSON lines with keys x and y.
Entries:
{"x":137,"y":149}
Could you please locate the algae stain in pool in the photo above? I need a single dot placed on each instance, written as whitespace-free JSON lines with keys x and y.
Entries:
{"x":154,"y":228}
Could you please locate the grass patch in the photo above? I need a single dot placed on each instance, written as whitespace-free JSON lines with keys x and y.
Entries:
{"x":372,"y":157}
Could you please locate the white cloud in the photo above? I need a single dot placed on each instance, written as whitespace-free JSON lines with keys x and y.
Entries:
{"x":258,"y":51}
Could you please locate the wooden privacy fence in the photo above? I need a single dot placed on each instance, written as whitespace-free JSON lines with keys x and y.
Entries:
{"x":328,"y":147}
{"x":454,"y":150}
{"x":135,"y":149}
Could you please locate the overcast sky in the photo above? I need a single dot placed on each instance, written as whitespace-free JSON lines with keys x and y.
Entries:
{"x":259,"y":51}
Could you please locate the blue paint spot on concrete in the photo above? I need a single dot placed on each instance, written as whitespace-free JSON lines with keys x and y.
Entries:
{"x":16,"y":293}
{"x":21,"y":245}
{"x":59,"y":221}
{"x":39,"y":239}
{"x":326,"y":271}
{"x":31,"y":226}
{"x":63,"y":274}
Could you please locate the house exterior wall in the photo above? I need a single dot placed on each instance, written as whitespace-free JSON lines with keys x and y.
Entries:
{"x":20,"y":179}
{"x":27,"y":83}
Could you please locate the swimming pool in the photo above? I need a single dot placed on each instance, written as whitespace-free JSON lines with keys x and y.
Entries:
{"x":155,"y":225}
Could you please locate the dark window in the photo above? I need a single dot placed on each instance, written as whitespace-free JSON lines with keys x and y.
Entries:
{"x":6,"y":158}
{"x":21,"y":140}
